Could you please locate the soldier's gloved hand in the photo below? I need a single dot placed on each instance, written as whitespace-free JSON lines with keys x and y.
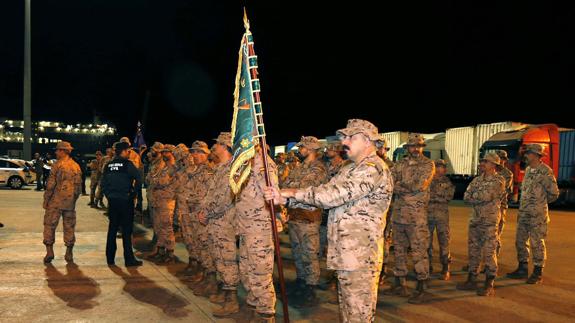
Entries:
{"x":273,"y":194}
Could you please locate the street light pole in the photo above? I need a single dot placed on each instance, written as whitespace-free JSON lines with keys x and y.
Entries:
{"x":27,"y":85}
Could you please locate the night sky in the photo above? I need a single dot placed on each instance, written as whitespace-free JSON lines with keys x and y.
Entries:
{"x":395,"y":64}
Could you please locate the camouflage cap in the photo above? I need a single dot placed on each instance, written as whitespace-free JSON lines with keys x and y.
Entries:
{"x":126,"y":140}
{"x":200,"y":146}
{"x":157,"y":146}
{"x":502,"y":154}
{"x":415,"y":139}
{"x":535,"y":149}
{"x":169,"y":148}
{"x":355,"y":126}
{"x":309,"y":142}
{"x":64,"y":145}
{"x":492,"y":158}
{"x":181,"y":150}
{"x":334,"y":145}
{"x":225,"y":138}
{"x":440,"y":162}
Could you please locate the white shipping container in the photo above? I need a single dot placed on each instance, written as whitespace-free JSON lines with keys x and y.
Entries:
{"x":462,"y":145}
{"x":279,"y":149}
{"x":395,"y":139}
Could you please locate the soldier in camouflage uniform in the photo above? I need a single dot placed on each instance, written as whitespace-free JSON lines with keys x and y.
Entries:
{"x":219,"y":214}
{"x":538,"y":189}
{"x":94,"y":177}
{"x":105,"y":160}
{"x":198,"y":188}
{"x":162,"y":187}
{"x":358,"y":198}
{"x":441,"y":192}
{"x":185,"y":170}
{"x":412,"y":177}
{"x":304,"y":223}
{"x":484,"y":194}
{"x":63,"y":188}
{"x":382,"y":150}
{"x":508,"y":176}
{"x":335,"y":162}
{"x":281,"y":161}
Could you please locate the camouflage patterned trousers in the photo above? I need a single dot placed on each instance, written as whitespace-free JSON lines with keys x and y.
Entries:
{"x":415,"y":236}
{"x":204,"y":246}
{"x":482,"y":243}
{"x":304,"y":237}
{"x":189,"y":232}
{"x":530,"y":237}
{"x":164,"y":224}
{"x":51,"y":219}
{"x":257,"y":264}
{"x":500,"y":227}
{"x":222,"y":235}
{"x":443,"y":239}
{"x":357,"y":293}
{"x":387,"y":241}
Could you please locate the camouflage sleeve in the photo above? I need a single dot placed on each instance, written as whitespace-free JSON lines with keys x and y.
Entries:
{"x":77,"y":182}
{"x":421,"y":182}
{"x":219,"y":197}
{"x":468,"y":196}
{"x":550,"y":185}
{"x":449,"y":192}
{"x":343,"y":188}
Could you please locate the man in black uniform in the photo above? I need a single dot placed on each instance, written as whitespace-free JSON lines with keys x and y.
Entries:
{"x":120,"y":183}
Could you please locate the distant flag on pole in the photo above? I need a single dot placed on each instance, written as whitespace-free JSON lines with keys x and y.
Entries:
{"x":139,"y":139}
{"x":247,"y":123}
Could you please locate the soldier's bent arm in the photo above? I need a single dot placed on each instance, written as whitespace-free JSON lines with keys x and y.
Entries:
{"x":420,"y":183}
{"x":51,"y":183}
{"x":550,"y":185}
{"x":343,"y":188}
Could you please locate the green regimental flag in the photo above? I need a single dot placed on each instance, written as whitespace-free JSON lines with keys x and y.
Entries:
{"x":247,"y":123}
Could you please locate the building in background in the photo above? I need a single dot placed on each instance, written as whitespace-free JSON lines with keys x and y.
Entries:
{"x":85,"y":138}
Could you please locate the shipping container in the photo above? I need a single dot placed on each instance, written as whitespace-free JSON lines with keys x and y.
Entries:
{"x":395,"y":139}
{"x":462,"y":145}
{"x":566,"y":157}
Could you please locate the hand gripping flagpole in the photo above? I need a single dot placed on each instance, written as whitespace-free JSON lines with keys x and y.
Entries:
{"x":261,"y":134}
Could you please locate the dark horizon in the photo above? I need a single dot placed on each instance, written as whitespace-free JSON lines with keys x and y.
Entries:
{"x":319,"y":65}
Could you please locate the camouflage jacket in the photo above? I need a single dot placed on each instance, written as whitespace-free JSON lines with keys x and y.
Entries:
{"x":64,"y":185}
{"x":508,"y":177}
{"x":134,"y":157}
{"x":95,"y":173}
{"x":388,"y":162}
{"x":441,"y":191}
{"x":333,"y":168}
{"x":307,"y":174}
{"x":485,"y":194}
{"x":283,"y":172}
{"x":219,"y":197}
{"x":197,"y":186}
{"x":252,"y":211}
{"x":358,"y":198}
{"x":162,"y":184}
{"x":412,"y":177}
{"x":539,"y":188}
{"x":103,"y":162}
{"x":185,"y":170}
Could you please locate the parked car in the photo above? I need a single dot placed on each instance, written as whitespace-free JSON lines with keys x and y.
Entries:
{"x":13,"y":174}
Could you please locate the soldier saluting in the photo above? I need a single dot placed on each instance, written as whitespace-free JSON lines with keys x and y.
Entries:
{"x":358,"y":198}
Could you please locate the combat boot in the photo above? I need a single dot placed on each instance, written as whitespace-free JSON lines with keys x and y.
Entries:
{"x":168,"y":258}
{"x":153,"y":254}
{"x":537,"y":275}
{"x":49,"y":254}
{"x":69,"y":257}
{"x":263,"y":318}
{"x":209,"y":287}
{"x":420,"y":296}
{"x":445,"y":274}
{"x":399,"y":288}
{"x":219,"y":297}
{"x":230,"y":305}
{"x":190,"y":268}
{"x":489,"y":288}
{"x":198,"y":276}
{"x":520,"y":273}
{"x":298,"y":288}
{"x":469,"y":284}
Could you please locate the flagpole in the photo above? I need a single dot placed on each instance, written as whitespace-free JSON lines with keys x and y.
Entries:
{"x":263,"y":146}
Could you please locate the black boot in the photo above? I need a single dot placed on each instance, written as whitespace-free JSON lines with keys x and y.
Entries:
{"x":445,"y":274}
{"x":69,"y":257}
{"x":298,"y":288}
{"x":469,"y":284}
{"x":420,"y":296}
{"x":537,"y":275}
{"x":49,"y":254}
{"x":399,"y":288}
{"x":520,"y":273}
{"x":488,"y":289}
